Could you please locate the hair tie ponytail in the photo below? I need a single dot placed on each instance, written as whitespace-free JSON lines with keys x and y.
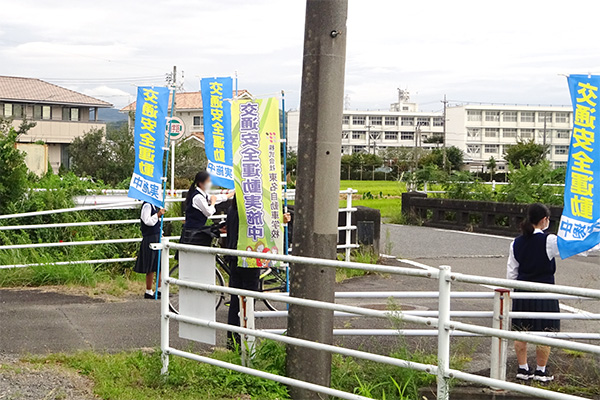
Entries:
{"x":535,"y":213}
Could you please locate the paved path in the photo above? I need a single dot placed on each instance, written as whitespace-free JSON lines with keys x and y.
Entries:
{"x":34,"y":321}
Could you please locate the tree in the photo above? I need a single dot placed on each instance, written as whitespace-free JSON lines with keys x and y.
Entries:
{"x":491,"y":166}
{"x":13,"y":171}
{"x":108,"y":156}
{"x":292,"y":162}
{"x":525,"y":153}
{"x":454,"y":156}
{"x":190,"y":158}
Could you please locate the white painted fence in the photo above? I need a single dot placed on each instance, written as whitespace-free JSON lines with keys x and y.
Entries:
{"x":443,"y":324}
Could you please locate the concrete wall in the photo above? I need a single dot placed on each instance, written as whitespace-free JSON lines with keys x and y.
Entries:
{"x":51,"y":131}
{"x":36,"y":157}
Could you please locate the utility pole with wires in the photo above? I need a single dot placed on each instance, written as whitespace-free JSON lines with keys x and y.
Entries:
{"x":172,"y":81}
{"x":445,"y":155}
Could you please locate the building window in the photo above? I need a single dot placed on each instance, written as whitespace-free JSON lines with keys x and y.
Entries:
{"x":526,"y":133}
{"x":544,"y":116}
{"x":358,"y":135}
{"x":492,"y":116}
{"x":438,"y":121}
{"x":358,"y":149}
{"x":375,"y":135}
{"x":558,"y":150}
{"x":197,"y":121}
{"x":473,"y":133}
{"x":407,"y":136}
{"x":8,"y":110}
{"x":423,"y":121}
{"x":46,"y":112}
{"x":375,"y":120}
{"x":473,"y":149}
{"x":491,"y":148}
{"x":509,"y":133}
{"x":562,"y":118}
{"x":346,"y":119}
{"x":491,"y":132}
{"x":345,"y":134}
{"x":473,"y":115}
{"x":509,"y":116}
{"x":358,"y":120}
{"x":407,"y":121}
{"x":391,"y":121}
{"x":562,"y":134}
{"x":391,"y":136}
{"x":74,"y":114}
{"x":13,"y":110}
{"x":560,"y":164}
{"x":527,"y":116}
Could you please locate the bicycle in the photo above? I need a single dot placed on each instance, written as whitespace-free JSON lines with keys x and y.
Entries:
{"x":272,"y":279}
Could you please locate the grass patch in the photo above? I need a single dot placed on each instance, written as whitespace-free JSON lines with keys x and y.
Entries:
{"x":364,"y":255}
{"x":386,"y":188}
{"x":136,"y":375}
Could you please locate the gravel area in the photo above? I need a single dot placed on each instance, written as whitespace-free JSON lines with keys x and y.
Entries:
{"x":21,"y":381}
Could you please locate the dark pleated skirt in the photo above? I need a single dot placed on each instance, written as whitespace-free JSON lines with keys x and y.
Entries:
{"x":535,"y":305}
{"x":147,"y":259}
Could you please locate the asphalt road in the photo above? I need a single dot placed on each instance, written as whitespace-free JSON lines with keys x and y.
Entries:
{"x":34,"y":321}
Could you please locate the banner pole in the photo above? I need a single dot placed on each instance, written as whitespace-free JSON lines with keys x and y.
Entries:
{"x":164,"y":179}
{"x":285,"y":203}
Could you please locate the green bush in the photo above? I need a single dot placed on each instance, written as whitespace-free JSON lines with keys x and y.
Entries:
{"x":527,"y":185}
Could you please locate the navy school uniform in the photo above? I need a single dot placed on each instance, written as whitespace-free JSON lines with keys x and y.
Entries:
{"x":147,"y":260}
{"x":532,"y":259}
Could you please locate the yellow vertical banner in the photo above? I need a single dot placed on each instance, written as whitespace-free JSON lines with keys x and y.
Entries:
{"x":257,"y":177}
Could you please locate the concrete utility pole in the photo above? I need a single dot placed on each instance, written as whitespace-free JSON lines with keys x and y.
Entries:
{"x":317,"y":190}
{"x":444,"y":135}
{"x":174,"y":84}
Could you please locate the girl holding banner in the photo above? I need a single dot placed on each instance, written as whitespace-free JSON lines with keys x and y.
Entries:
{"x":198,"y":207}
{"x":147,"y":259}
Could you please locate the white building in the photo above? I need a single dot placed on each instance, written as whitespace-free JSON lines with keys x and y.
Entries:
{"x":485,"y":131}
{"x":372,"y":131}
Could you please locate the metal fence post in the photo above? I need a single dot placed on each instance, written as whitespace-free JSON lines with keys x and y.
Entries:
{"x":247,"y":321}
{"x":443,"y":390}
{"x":499,"y":346}
{"x":164,"y":307}
{"x":348,"y":223}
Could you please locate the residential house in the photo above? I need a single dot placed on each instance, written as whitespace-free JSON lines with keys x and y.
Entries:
{"x":60,"y":115}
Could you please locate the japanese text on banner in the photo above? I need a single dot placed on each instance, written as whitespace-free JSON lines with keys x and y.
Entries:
{"x":216,"y":95}
{"x":149,"y":140}
{"x":579,"y":228}
{"x":257,"y":172}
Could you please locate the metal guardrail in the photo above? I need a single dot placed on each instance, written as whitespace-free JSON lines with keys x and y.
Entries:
{"x":347,"y":245}
{"x":443,"y":325}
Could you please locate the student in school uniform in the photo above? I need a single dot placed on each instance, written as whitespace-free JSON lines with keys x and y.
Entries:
{"x":147,"y":259}
{"x":198,"y":207}
{"x":532,"y":259}
{"x":240,"y":277}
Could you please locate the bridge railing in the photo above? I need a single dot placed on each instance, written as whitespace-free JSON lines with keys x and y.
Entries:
{"x":443,"y":322}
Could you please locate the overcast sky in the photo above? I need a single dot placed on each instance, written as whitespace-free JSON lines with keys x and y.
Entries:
{"x":475,"y":51}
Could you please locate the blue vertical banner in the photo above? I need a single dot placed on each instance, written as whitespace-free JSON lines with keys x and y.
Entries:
{"x":579,"y":228}
{"x":217,"y":129}
{"x":149,"y":141}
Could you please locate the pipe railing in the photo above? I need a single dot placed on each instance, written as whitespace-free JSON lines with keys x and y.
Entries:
{"x":443,"y":324}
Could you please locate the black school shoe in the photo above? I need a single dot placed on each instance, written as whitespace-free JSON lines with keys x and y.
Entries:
{"x":525,"y":374}
{"x":151,"y":296}
{"x":543,"y":376}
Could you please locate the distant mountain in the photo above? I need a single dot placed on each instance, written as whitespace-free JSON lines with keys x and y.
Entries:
{"x":111,"y":115}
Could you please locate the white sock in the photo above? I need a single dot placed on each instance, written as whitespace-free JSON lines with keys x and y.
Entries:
{"x":150,"y":292}
{"x":524,"y":366}
{"x":543,"y":369}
